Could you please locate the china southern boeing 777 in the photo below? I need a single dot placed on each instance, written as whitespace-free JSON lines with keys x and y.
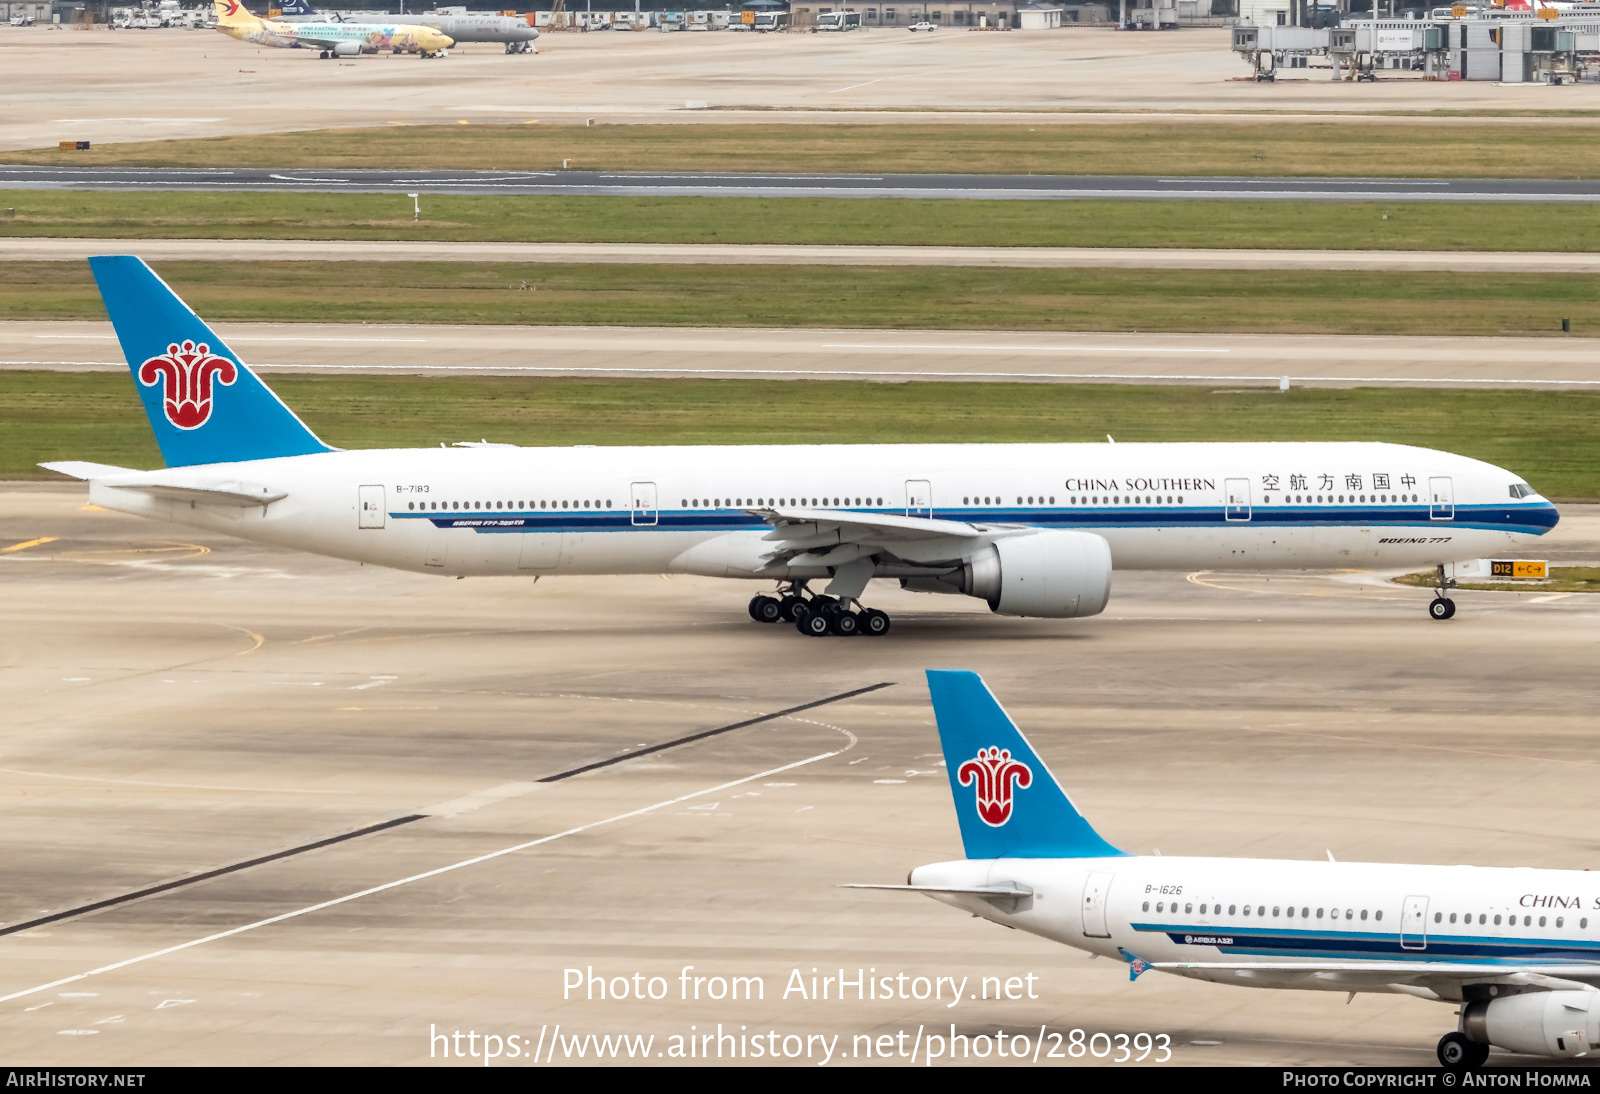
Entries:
{"x":1517,"y":950}
{"x":1033,"y":529}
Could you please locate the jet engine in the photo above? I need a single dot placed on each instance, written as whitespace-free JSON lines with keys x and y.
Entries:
{"x":1054,"y":574}
{"x":1540,"y":1023}
{"x":346,"y":49}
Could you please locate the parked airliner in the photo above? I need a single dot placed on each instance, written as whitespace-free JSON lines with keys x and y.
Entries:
{"x":1517,"y":950}
{"x":1033,"y":529}
{"x":332,"y":39}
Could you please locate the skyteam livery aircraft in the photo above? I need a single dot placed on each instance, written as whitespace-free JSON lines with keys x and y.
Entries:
{"x":1033,"y":529}
{"x":1517,"y":949}
{"x":333,"y":39}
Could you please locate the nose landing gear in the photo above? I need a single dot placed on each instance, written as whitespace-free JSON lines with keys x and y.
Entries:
{"x":818,"y":615}
{"x":1442,"y":607}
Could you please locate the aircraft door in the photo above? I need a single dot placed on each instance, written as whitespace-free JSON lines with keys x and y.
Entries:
{"x":1414,"y":924}
{"x":1238,"y":499}
{"x":1095,"y":891}
{"x":540,"y":550}
{"x":1441,"y":498}
{"x":919,"y":498}
{"x":371,"y":507}
{"x":645,"y":513}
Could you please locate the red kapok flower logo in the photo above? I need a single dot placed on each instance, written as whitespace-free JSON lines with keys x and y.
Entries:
{"x":187,"y":372}
{"x":994,"y":773}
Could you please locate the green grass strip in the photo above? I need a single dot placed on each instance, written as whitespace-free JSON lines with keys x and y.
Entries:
{"x":951,"y":298}
{"x":1550,"y":438}
{"x":1470,"y":148}
{"x":1409,"y":226}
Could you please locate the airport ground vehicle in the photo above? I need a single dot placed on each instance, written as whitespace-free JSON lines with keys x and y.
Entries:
{"x":1031,"y":529}
{"x":1516,"y":950}
{"x":924,"y":25}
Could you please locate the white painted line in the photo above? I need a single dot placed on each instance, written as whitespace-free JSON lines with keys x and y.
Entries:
{"x":416,"y":877}
{"x":79,"y":337}
{"x":1016,"y":349}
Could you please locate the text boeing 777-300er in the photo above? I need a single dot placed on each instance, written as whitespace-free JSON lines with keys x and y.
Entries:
{"x":1033,"y":529}
{"x":1517,"y":949}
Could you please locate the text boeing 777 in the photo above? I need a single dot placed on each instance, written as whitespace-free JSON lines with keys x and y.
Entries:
{"x":1518,"y":948}
{"x":1033,"y":529}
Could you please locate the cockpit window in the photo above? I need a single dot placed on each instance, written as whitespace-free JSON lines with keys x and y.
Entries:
{"x":1520,"y":490}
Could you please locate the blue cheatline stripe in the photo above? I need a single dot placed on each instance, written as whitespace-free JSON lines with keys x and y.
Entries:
{"x":1345,"y":945}
{"x":1412,"y":521}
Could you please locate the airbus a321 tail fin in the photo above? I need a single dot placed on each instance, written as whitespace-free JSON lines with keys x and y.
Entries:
{"x":1008,"y":802}
{"x":204,"y":404}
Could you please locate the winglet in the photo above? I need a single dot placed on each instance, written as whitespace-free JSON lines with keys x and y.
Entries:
{"x":1008,"y":802}
{"x":1137,"y":966}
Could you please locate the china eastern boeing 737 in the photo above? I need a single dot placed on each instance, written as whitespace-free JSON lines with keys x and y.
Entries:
{"x":1517,"y":950}
{"x":333,"y":39}
{"x":1033,"y":529}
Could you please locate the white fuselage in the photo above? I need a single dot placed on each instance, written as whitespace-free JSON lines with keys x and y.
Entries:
{"x":620,"y":510}
{"x":1265,"y":912}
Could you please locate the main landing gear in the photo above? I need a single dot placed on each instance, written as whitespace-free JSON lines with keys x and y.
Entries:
{"x":818,"y":615}
{"x":1458,"y":1051}
{"x":1442,"y":608}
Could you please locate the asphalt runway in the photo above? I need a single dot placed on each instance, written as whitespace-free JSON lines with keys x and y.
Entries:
{"x":185,"y":84}
{"x":24,"y":249}
{"x":889,"y":356}
{"x":640,"y":184}
{"x":177,"y":704}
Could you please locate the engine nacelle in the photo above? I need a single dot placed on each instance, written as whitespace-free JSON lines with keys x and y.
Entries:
{"x":1056,"y":575}
{"x":1539,"y":1023}
{"x":346,"y":49}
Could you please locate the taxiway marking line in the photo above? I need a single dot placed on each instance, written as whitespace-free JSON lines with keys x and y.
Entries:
{"x":426,"y":874}
{"x":25,"y":544}
{"x":152,"y":890}
{"x":703,"y":734}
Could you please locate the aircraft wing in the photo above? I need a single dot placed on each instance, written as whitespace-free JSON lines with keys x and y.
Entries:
{"x":831,"y":537}
{"x":1357,"y":973}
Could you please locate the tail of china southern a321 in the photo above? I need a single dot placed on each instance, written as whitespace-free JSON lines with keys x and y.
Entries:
{"x":1008,"y":802}
{"x":203,"y":402}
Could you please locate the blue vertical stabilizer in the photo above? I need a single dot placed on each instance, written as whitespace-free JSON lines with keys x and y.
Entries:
{"x":204,"y":404}
{"x":1009,"y":804}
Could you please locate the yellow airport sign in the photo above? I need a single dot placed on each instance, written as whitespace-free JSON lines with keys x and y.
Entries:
{"x":1518,"y":568}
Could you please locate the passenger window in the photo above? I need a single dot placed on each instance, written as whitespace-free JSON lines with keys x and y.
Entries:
{"x":1349,"y":913}
{"x":1304,"y":912}
{"x":1146,"y":906}
{"x":1319,"y":913}
{"x":1363,"y":913}
{"x":1160,"y":906}
{"x":1497,"y":921}
{"x":1188,"y":909}
{"x":1583,"y":924}
{"x":1541,"y":921}
{"x":1263,"y":910}
{"x":1527,"y":921}
{"x":1232,"y":907}
{"x":1052,"y":499}
{"x":1559,"y":920}
{"x":1288,"y":912}
{"x":1482,"y":919}
{"x":1452,"y":917}
{"x":1437,"y":916}
{"x":1377,"y":915}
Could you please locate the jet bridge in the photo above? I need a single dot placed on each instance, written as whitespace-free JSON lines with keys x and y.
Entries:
{"x":1499,"y":47}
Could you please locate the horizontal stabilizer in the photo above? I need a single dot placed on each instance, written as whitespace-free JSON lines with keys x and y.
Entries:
{"x":83,"y":469}
{"x":227,"y":493}
{"x":1010,"y":889}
